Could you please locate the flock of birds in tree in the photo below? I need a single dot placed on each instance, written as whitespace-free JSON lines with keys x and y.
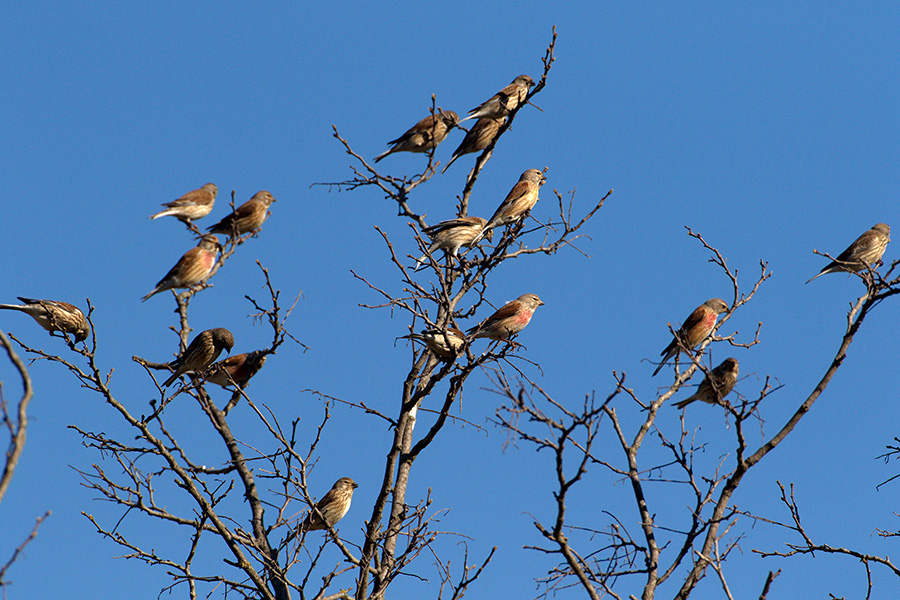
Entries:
{"x":197,"y":263}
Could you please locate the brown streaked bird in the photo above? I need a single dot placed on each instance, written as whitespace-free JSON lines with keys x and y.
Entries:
{"x":446,"y":345}
{"x":867,"y":250}
{"x":519,"y":201}
{"x":424,"y":135}
{"x":203,"y":350}
{"x":716,"y":385}
{"x":196,"y":204}
{"x":192,"y":268}
{"x":332,"y":507}
{"x":241,"y":368}
{"x":453,"y":234}
{"x":505,"y":101}
{"x":54,"y":315}
{"x":248,"y":217}
{"x":477,"y":139}
{"x":510,"y":319}
{"x":694,"y":330}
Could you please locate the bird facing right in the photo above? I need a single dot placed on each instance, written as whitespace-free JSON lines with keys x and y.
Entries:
{"x":238,"y":369}
{"x":332,"y":507}
{"x":192,"y":268}
{"x":248,"y":217}
{"x":505,"y":101}
{"x":519,"y":201}
{"x":203,"y":350}
{"x":424,"y":135}
{"x":477,"y":139}
{"x":196,"y":204}
{"x":54,"y":315}
{"x":866,"y":251}
{"x":510,"y":319}
{"x":716,"y":385}
{"x":694,"y":330}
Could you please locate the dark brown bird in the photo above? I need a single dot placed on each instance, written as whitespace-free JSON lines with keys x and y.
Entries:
{"x":54,"y":315}
{"x":332,"y":507}
{"x":510,"y":319}
{"x":196,"y":204}
{"x":866,"y":251}
{"x":424,"y":135}
{"x":248,"y":217}
{"x":694,"y":330}
{"x":505,"y":101}
{"x":716,"y":385}
{"x":446,"y":345}
{"x":201,"y":352}
{"x":192,"y":268}
{"x":477,"y":139}
{"x":241,"y":368}
{"x":453,"y":234}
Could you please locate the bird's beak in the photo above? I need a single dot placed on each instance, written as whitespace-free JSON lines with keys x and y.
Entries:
{"x":355,"y":485}
{"x":540,"y":302}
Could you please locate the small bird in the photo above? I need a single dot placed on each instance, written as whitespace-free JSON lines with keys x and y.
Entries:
{"x":203,"y":350}
{"x":424,"y":135}
{"x":505,"y":101}
{"x":332,"y":507}
{"x":54,"y":315}
{"x":477,"y":139}
{"x":716,"y":385}
{"x":446,"y":345}
{"x":241,"y":367}
{"x":510,"y":319}
{"x":196,"y":204}
{"x":694,"y":330}
{"x":519,"y":201}
{"x":192,"y":268}
{"x":248,"y":217}
{"x":865,"y":252}
{"x":453,"y":234}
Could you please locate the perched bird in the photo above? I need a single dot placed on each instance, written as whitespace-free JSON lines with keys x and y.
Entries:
{"x":424,"y":135}
{"x":716,"y":385}
{"x":446,"y":345}
{"x":866,"y":251}
{"x":241,"y":367}
{"x":203,"y":350}
{"x":694,"y":330}
{"x":519,"y":201}
{"x":453,"y":234}
{"x":192,"y":268}
{"x":196,"y":204}
{"x":510,"y":319}
{"x":53,"y":315}
{"x":332,"y":507}
{"x":477,"y":139}
{"x":505,"y":101}
{"x":248,"y":217}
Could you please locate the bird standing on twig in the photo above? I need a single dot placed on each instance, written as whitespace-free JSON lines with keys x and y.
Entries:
{"x":694,"y":330}
{"x":424,"y":135}
{"x":332,"y":507}
{"x":248,"y":217}
{"x":203,"y":350}
{"x":503,"y":102}
{"x":477,"y":139}
{"x":54,"y":315}
{"x":451,"y":235}
{"x":510,"y":319}
{"x":192,"y":268}
{"x":196,"y":204}
{"x":716,"y":385}
{"x":865,"y":252}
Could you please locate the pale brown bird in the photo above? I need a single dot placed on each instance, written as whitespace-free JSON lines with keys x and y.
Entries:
{"x":424,"y":135}
{"x":503,"y":102}
{"x":203,"y":350}
{"x":510,"y":319}
{"x":196,"y":204}
{"x":453,"y":234}
{"x":192,"y":268}
{"x":247,"y":217}
{"x":866,"y":251}
{"x":446,"y":345}
{"x":477,"y":139}
{"x":332,"y":507}
{"x":716,"y":385}
{"x":54,"y":315}
{"x":694,"y":330}
{"x":241,"y":368}
{"x":519,"y":201}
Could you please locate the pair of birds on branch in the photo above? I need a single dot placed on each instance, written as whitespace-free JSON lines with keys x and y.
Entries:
{"x":197,"y":263}
{"x":492,"y":114}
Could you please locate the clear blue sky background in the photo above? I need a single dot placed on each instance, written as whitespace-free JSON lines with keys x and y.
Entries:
{"x":772,"y":129}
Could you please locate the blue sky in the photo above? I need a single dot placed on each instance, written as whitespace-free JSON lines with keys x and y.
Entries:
{"x":771,"y":129}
